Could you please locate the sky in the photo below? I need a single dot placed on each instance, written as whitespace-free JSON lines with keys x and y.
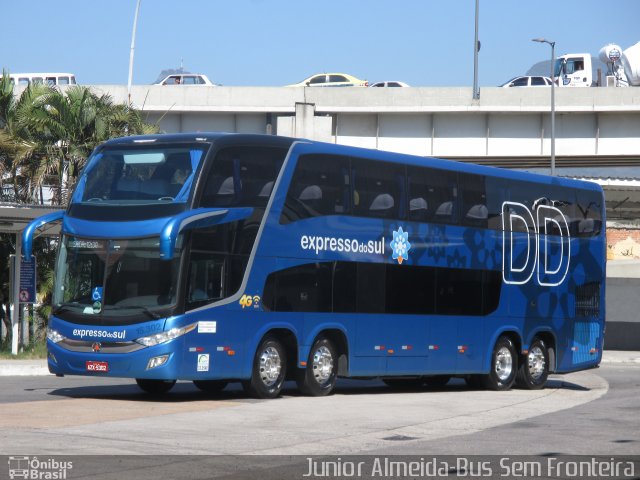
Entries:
{"x":278,"y":42}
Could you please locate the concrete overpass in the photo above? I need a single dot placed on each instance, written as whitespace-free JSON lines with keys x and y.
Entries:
{"x":595,"y":127}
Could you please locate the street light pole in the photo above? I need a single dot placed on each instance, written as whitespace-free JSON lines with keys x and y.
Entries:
{"x":133,"y":46}
{"x":476,"y":48}
{"x":553,"y":102}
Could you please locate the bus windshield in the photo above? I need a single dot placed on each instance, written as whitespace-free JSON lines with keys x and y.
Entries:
{"x":140,"y":174}
{"x":114,"y":278}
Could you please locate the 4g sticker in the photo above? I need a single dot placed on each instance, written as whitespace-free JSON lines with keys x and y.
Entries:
{"x":247,"y":301}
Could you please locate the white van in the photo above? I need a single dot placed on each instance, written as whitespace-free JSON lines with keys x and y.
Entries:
{"x":54,"y":79}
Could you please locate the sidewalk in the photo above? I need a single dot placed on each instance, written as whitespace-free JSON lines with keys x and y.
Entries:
{"x":15,"y":368}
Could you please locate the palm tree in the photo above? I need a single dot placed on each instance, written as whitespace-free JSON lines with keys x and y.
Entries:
{"x":18,"y":140}
{"x":48,"y":134}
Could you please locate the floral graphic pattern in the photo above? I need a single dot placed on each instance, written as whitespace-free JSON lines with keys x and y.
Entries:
{"x":400,"y":245}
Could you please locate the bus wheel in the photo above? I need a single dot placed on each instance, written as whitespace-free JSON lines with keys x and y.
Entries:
{"x":504,"y":365}
{"x":319,"y":377}
{"x":404,"y":383}
{"x":269,"y":370}
{"x":534,"y":370}
{"x":210,"y":386}
{"x":155,"y":387}
{"x":436,"y":380}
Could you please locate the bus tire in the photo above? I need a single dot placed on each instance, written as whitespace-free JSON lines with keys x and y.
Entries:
{"x":504,"y":366}
{"x":319,"y":377}
{"x":534,"y":370}
{"x":436,"y":381}
{"x":155,"y":387}
{"x":211,"y":386}
{"x":269,"y":369}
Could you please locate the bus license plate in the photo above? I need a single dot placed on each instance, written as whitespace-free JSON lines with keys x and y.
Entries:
{"x":93,"y":366}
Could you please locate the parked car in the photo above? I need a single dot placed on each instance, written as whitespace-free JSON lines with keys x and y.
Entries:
{"x":527,"y":81}
{"x":389,"y":84}
{"x":331,"y":80}
{"x":185,"y":79}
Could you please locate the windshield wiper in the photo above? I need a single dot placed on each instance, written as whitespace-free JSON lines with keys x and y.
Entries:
{"x":144,"y":309}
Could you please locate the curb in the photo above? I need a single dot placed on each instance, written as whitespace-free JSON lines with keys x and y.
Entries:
{"x":614,"y":357}
{"x":23,"y":368}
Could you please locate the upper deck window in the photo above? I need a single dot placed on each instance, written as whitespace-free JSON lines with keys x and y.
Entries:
{"x":140,"y":174}
{"x":242,"y":176}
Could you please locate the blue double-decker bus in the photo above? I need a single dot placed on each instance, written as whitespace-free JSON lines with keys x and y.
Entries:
{"x":216,"y":257}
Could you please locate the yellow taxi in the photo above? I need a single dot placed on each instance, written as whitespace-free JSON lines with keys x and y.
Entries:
{"x":331,"y":80}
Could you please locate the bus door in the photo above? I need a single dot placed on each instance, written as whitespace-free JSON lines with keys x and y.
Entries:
{"x":409,"y":301}
{"x":388,"y":339}
{"x":461,"y":295}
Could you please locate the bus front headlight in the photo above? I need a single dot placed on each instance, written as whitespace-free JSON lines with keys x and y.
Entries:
{"x":164,"y":337}
{"x":54,"y":335}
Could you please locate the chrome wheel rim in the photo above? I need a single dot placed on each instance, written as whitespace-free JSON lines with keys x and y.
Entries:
{"x":536,"y":363}
{"x":270,"y":366}
{"x":322,"y":364}
{"x":504,"y":364}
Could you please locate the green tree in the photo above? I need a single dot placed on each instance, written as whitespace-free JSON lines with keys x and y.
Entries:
{"x":46,"y":135}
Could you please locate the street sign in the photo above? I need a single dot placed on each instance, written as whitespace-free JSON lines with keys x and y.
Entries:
{"x":27,"y":291}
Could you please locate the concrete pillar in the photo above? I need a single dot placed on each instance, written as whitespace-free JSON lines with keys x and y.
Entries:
{"x":303,"y":126}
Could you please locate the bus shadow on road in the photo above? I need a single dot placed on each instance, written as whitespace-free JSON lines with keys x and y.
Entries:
{"x":182,"y":392}
{"x":187,"y":392}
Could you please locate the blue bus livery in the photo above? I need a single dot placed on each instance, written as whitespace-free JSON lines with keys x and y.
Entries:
{"x":227,"y":257}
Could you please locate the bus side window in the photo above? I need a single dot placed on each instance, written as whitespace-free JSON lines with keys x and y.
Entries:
{"x":242,"y":176}
{"x":459,"y":291}
{"x":588,"y":213}
{"x":432,"y":195}
{"x":410,"y":289}
{"x":497,"y":191}
{"x":319,"y":187}
{"x":474,"y":200}
{"x":564,"y":199}
{"x":304,"y":288}
{"x":377,"y":191}
{"x":344,"y":287}
{"x":371,"y":283}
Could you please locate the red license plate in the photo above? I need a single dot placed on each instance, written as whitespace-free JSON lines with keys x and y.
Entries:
{"x":93,"y":366}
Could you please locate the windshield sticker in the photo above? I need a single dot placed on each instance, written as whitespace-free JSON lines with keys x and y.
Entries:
{"x":92,"y":244}
{"x":400,"y":245}
{"x":96,"y":294}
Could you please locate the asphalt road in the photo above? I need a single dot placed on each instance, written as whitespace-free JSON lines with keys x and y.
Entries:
{"x":596,"y":412}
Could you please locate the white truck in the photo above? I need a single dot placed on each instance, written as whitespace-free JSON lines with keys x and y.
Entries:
{"x":623,"y":67}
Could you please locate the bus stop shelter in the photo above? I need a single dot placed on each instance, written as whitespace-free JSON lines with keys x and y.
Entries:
{"x":13,"y":219}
